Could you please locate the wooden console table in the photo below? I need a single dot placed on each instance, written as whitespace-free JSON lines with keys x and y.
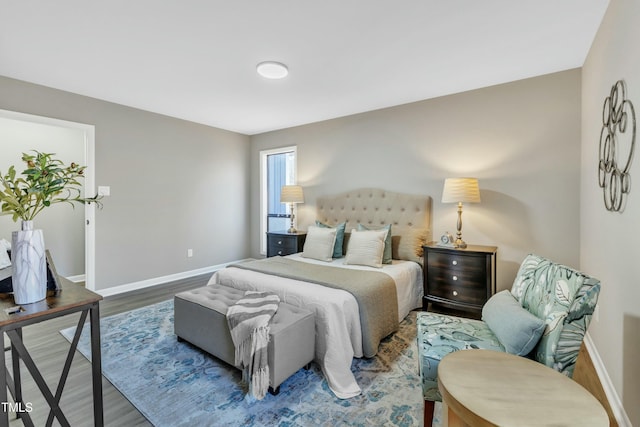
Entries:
{"x":489,"y":388}
{"x":71,"y":298}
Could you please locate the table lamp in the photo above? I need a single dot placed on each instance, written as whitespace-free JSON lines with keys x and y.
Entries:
{"x":291,"y":194}
{"x":460,"y":190}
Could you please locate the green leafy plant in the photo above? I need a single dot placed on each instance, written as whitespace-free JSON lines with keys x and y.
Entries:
{"x":45,"y":182}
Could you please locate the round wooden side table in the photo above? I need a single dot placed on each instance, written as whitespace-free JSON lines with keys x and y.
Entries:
{"x":489,"y":388}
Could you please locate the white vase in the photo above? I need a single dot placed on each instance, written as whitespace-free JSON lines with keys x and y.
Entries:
{"x":29,"y":279}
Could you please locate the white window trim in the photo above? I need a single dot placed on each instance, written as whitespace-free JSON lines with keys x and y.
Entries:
{"x":263,"y":189}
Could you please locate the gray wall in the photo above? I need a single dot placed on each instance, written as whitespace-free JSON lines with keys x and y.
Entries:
{"x":522,"y":140}
{"x":608,"y":239}
{"x":174,"y":184}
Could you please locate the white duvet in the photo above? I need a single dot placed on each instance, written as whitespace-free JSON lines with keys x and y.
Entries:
{"x":338,"y":332}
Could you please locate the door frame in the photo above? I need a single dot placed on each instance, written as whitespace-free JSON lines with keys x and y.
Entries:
{"x":89,"y":181}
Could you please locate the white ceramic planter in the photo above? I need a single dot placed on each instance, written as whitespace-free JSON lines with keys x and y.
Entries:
{"x":29,"y":277}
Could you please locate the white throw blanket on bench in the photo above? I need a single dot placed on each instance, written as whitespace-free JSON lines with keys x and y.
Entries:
{"x":249,"y":320}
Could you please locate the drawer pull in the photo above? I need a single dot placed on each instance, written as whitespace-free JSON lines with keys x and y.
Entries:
{"x":279,"y":252}
{"x":455,"y":293}
{"x":454,"y":262}
{"x":455,"y":277}
{"x":279,"y":242}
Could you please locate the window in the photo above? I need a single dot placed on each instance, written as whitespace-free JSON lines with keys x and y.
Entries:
{"x":277,"y":168}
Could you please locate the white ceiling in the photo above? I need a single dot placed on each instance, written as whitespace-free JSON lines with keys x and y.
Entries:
{"x":196,"y":59}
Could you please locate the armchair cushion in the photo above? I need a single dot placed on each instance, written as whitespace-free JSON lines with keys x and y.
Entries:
{"x":439,"y":335}
{"x":517,"y":329}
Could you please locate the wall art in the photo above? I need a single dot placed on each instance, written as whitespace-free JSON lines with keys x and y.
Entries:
{"x":617,"y":144}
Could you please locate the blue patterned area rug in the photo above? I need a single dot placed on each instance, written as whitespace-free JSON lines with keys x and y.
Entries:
{"x":175,"y":384}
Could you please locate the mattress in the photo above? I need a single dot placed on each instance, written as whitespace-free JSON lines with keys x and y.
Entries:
{"x":338,"y":329}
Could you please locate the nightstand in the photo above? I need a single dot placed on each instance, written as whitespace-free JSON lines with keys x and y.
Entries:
{"x":283,"y":243}
{"x":459,"y":279}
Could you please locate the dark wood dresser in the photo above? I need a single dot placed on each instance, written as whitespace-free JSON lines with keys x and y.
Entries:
{"x":459,"y":279}
{"x":283,"y":243}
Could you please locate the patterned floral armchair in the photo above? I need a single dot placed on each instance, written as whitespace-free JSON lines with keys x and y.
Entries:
{"x":562,"y":297}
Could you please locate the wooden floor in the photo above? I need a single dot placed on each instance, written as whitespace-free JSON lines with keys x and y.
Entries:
{"x":49,"y":350}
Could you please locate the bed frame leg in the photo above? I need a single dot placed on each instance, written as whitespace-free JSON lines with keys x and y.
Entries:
{"x":273,"y":391}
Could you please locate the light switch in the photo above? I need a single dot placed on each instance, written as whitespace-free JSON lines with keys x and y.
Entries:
{"x":104,"y":190}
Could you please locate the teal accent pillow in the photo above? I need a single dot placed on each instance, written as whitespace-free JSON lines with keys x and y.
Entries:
{"x":337,"y":248}
{"x":386,"y":256}
{"x":517,"y":330}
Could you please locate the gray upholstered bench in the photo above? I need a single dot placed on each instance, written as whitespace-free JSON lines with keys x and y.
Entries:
{"x":200,"y":318}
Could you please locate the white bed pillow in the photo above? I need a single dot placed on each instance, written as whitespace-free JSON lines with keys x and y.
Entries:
{"x":319,"y":243}
{"x":386,"y":255}
{"x":366,"y":247}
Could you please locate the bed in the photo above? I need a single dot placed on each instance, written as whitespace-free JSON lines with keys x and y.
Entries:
{"x":343,"y":318}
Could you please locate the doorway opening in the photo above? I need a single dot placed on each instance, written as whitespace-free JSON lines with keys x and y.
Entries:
{"x":20,"y":132}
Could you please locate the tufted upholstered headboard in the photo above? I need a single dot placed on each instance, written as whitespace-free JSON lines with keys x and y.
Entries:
{"x":408,"y":214}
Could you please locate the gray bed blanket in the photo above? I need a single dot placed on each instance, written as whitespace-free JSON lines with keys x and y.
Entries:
{"x":374,"y":291}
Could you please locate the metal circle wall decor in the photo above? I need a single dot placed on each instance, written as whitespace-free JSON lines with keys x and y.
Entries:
{"x":618,"y":115}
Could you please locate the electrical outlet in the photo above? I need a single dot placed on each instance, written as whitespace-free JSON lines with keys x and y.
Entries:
{"x":189,"y":253}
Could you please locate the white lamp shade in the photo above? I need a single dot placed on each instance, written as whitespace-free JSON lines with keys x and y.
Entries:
{"x":291,"y":194}
{"x":461,"y":190}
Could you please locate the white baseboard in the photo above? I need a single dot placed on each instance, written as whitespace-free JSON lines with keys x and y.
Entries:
{"x":77,"y":278}
{"x":115,"y":290}
{"x":612,"y":396}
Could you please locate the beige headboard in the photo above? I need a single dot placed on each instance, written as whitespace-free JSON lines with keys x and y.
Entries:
{"x":408,"y":214}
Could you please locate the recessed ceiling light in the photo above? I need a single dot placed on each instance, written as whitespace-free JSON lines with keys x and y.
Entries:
{"x":272,"y":70}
